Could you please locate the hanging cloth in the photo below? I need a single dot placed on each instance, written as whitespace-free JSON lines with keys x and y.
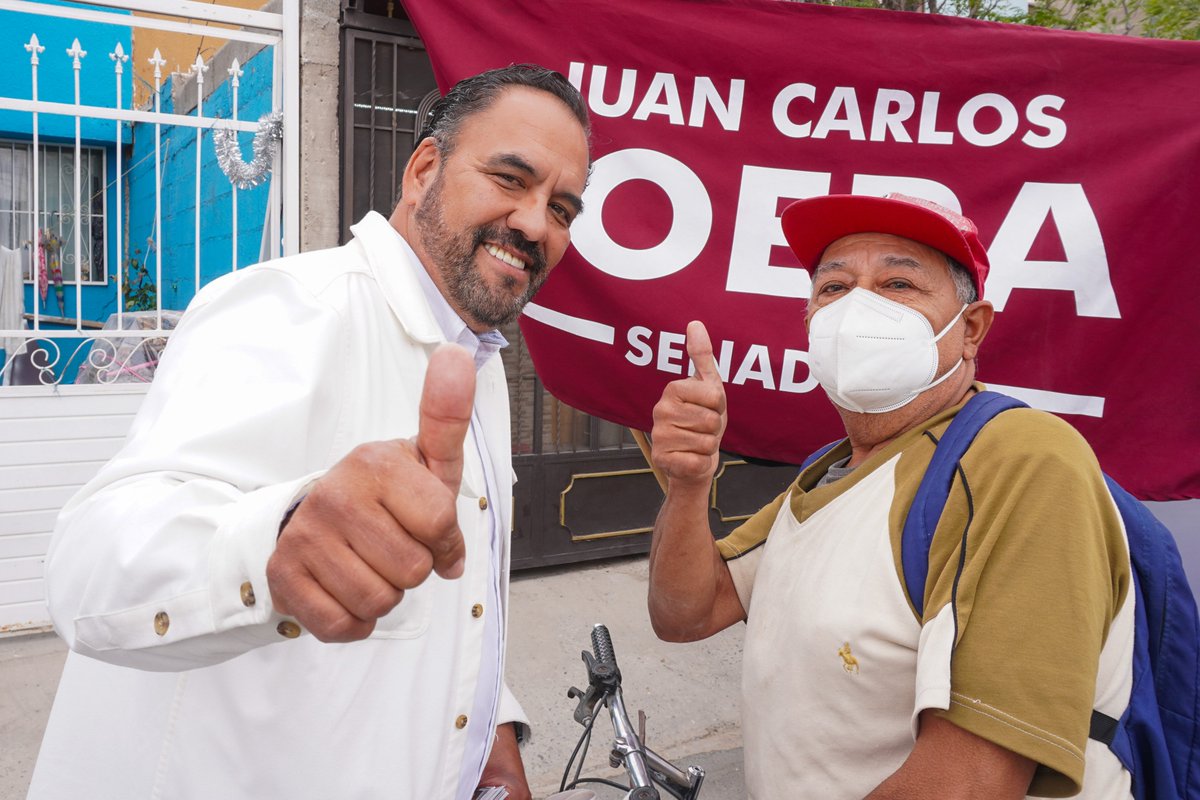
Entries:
{"x":43,"y":281}
{"x":12,"y":304}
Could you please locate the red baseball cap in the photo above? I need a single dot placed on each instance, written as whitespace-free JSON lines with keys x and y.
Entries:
{"x":811,"y":225}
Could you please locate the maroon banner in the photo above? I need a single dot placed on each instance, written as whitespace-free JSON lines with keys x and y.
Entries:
{"x":1078,"y":156}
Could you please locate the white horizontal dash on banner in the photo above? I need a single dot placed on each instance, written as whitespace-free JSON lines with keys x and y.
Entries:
{"x":583,"y":328}
{"x":1055,"y":402}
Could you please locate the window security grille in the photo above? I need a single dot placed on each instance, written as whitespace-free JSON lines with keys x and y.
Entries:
{"x":56,"y":174}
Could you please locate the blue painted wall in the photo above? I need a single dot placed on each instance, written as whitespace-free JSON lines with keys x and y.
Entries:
{"x":178,"y":156}
{"x":56,"y":74}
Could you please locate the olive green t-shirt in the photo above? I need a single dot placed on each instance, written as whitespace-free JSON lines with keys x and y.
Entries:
{"x":1028,"y":621}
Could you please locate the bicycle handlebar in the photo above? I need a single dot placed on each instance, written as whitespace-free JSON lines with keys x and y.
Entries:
{"x":644,"y":767}
{"x":602,"y":646}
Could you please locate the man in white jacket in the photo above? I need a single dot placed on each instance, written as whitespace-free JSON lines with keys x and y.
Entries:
{"x":292,"y":580}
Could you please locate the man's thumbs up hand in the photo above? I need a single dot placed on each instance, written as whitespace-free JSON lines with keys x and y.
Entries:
{"x":700,"y":351}
{"x":689,"y":419}
{"x":381,"y":519}
{"x":446,"y":402}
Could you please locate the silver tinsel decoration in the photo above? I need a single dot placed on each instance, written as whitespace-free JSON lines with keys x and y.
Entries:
{"x":266,"y":144}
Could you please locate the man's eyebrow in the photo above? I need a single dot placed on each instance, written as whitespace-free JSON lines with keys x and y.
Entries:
{"x":890,"y":260}
{"x":825,"y":266}
{"x":513,"y":161}
{"x":518,"y":162}
{"x":903,"y":261}
{"x":574,"y":200}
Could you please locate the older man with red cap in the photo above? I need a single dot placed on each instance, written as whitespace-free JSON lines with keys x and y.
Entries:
{"x":983,"y":688}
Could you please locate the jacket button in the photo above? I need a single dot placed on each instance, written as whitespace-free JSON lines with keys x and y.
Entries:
{"x":477,"y":611}
{"x":161,"y":623}
{"x":483,"y":504}
{"x":288,"y":629}
{"x":461,"y":722}
{"x":247,"y":594}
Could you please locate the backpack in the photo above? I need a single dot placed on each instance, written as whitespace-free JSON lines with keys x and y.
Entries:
{"x":1157,"y":737}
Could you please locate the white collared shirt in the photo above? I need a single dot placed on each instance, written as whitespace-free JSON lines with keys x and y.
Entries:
{"x":481,"y":347}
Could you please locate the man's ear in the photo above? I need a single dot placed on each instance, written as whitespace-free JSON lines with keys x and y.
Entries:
{"x":978,"y":318}
{"x":420,"y":172}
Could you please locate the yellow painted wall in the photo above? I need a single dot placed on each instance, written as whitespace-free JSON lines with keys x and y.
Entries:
{"x":179,"y":50}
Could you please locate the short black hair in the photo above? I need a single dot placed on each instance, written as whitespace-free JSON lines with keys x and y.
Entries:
{"x":477,"y":93}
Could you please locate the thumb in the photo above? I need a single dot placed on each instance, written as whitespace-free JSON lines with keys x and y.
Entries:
{"x":445,"y":413}
{"x":699,"y":348}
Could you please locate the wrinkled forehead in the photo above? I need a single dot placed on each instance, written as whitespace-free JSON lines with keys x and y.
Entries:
{"x":522,"y":111}
{"x":880,"y":250}
{"x":531,"y":125}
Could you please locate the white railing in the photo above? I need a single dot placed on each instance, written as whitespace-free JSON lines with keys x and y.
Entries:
{"x":282,"y":229}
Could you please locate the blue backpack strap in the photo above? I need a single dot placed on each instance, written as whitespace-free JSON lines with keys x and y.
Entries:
{"x":934,"y":490}
{"x":808,"y":462}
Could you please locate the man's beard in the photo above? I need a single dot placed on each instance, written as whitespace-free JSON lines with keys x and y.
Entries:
{"x":453,"y":255}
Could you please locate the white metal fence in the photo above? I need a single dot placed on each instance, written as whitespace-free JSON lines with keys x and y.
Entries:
{"x":54,"y":434}
{"x":277,"y":30}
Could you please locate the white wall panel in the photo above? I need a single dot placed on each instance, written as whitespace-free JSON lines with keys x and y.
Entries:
{"x":52,"y":441}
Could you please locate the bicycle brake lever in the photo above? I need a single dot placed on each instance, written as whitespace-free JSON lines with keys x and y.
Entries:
{"x":588,"y":700}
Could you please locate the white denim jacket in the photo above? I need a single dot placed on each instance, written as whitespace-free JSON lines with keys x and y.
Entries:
{"x":274,"y":374}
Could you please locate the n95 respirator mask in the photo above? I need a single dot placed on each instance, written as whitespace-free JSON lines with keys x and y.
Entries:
{"x":874,"y":355}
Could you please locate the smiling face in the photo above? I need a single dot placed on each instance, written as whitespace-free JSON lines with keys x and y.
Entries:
{"x":491,"y":218}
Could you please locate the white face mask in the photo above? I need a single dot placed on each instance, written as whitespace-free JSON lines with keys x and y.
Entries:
{"x":873,"y":355}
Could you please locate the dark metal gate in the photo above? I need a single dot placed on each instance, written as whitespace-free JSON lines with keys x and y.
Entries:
{"x":584,"y":490}
{"x":386,"y":75}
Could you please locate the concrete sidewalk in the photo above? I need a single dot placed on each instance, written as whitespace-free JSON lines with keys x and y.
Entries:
{"x":689,"y":692}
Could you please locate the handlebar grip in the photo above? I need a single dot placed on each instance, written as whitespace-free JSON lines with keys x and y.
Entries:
{"x":602,"y":645}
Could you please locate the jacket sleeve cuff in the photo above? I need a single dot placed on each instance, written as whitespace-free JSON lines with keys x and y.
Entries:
{"x":229,"y":616}
{"x":238,"y":568}
{"x":510,"y":711}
